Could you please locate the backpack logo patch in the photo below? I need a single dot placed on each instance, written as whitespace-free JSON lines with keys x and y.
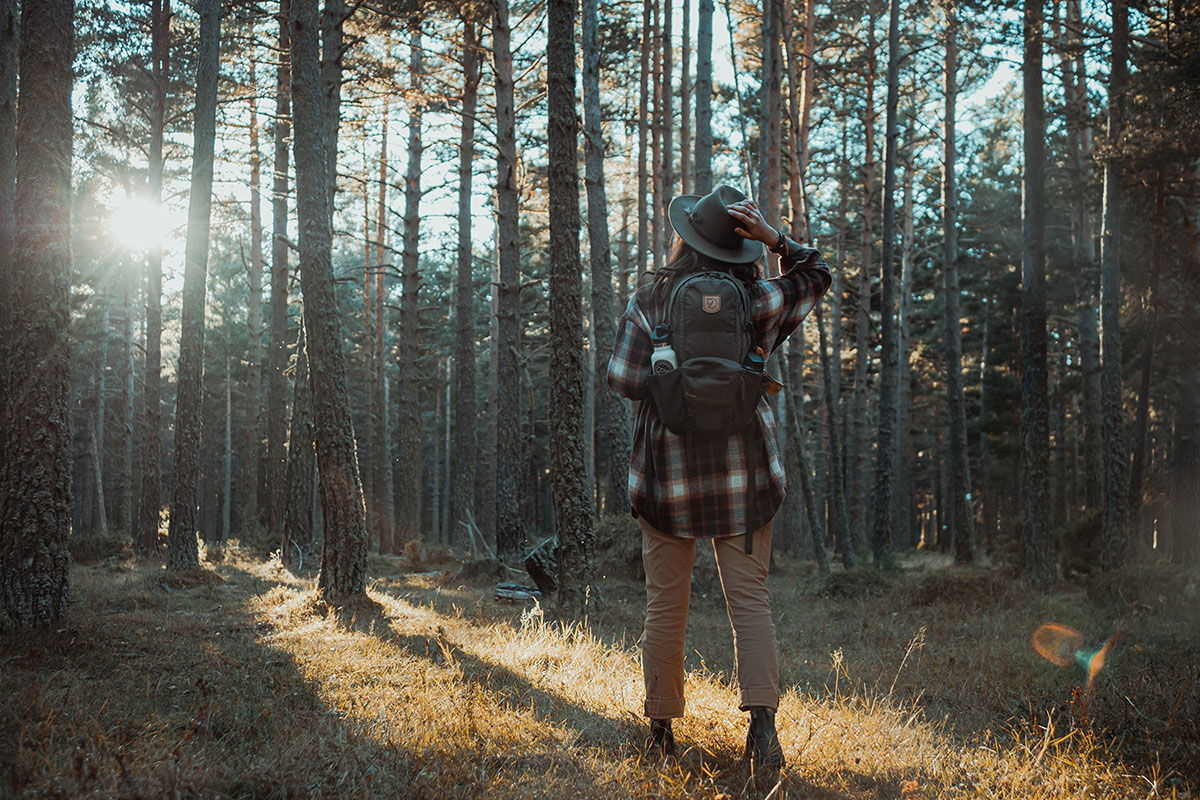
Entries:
{"x":711,"y":303}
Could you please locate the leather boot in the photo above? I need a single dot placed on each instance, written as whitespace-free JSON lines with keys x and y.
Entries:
{"x":762,"y":741}
{"x":662,"y":740}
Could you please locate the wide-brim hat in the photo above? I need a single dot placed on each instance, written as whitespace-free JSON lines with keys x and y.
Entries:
{"x":706,"y":225}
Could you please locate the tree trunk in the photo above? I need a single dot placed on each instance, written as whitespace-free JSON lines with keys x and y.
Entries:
{"x":685,"y":101}
{"x":903,"y":499}
{"x":382,"y":450}
{"x":248,"y":517}
{"x":1116,"y":463}
{"x":1150,"y":334}
{"x":841,"y":522}
{"x":277,"y":456}
{"x":146,"y":523}
{"x":332,"y":51}
{"x":99,"y":414}
{"x":613,"y":428}
{"x":8,"y":174}
{"x":1039,"y":557}
{"x":881,"y":534}
{"x":1184,"y":536}
{"x":297,"y":523}
{"x":643,"y":241}
{"x":409,"y":469}
{"x":510,"y":533}
{"x":182,"y":552}
{"x":657,"y":203}
{"x":960,"y":465}
{"x":35,"y":474}
{"x":344,"y":560}
{"x":859,"y":426}
{"x":668,"y":120}
{"x":704,"y":90}
{"x":123,"y":485}
{"x":465,"y":411}
{"x":573,"y":509}
{"x":227,"y":483}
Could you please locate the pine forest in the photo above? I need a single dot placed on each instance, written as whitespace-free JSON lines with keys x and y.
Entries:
{"x":314,"y":478}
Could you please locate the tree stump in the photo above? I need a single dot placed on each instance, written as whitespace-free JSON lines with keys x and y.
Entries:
{"x":542,"y":566}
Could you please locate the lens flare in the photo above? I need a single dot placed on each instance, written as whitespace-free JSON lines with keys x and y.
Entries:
{"x":1057,"y":643}
{"x":1063,"y":645}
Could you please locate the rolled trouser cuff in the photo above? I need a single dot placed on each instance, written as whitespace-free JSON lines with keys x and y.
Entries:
{"x":665,"y":709}
{"x":758,"y":697}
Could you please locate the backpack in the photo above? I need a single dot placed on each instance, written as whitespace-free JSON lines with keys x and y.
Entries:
{"x":715,"y":388}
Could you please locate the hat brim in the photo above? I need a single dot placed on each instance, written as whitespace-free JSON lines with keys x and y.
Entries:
{"x":677,"y":212}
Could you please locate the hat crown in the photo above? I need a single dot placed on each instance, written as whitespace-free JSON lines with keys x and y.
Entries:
{"x":711,"y":219}
{"x":706,"y":225}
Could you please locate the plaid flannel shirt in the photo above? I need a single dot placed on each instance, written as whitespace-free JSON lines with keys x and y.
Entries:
{"x":701,"y":492}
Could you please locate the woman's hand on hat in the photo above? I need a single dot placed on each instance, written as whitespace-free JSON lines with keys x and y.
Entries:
{"x":753,"y":225}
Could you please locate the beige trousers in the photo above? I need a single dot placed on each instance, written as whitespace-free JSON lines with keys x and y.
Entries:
{"x":668,"y":561}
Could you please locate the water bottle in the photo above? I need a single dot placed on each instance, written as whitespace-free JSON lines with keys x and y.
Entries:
{"x":662,"y":360}
{"x":755,"y":361}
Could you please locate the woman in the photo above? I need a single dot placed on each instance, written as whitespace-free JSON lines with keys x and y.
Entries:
{"x":684,"y":488}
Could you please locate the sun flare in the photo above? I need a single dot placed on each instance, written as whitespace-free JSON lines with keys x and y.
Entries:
{"x":140,"y":224}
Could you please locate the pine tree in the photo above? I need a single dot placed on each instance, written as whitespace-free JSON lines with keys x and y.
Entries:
{"x":960,"y":473}
{"x":572,"y":497}
{"x":510,"y":533}
{"x":464,"y":453}
{"x":149,"y":508}
{"x":35,"y":474}
{"x":277,"y":357}
{"x":1039,"y":560}
{"x":1116,"y":465}
{"x":344,"y":559}
{"x":181,"y":542}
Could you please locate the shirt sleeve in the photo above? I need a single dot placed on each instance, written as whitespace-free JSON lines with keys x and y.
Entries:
{"x":629,"y":367}
{"x":804,"y":277}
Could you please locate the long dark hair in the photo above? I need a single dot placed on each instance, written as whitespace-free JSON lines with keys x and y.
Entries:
{"x":686,"y":260}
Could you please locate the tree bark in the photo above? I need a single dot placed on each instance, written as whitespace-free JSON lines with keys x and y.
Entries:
{"x":1184,"y":534}
{"x":344,"y":559}
{"x":613,"y":428}
{"x":35,"y":474}
{"x":704,"y":90}
{"x":382,"y":450}
{"x":657,"y":203}
{"x":572,"y":505}
{"x":332,"y":51}
{"x":881,"y":534}
{"x":859,"y":433}
{"x":465,"y":410}
{"x":182,"y":551}
{"x":146,"y":524}
{"x":1114,"y":545}
{"x":1039,"y":557}
{"x":960,"y":466}
{"x":667,"y":112}
{"x":9,"y":28}
{"x":409,"y":455}
{"x":123,"y":485}
{"x":643,"y":241}
{"x":510,"y":533}
{"x":903,"y":499}
{"x":1141,"y":428}
{"x":297,"y":524}
{"x":277,"y":455}
{"x":841,"y":522}
{"x":685,"y":101}
{"x":248,"y":516}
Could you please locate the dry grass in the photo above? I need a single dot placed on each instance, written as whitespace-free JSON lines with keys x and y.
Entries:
{"x":240,"y":681}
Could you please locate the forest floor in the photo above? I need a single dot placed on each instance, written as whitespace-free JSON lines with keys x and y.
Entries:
{"x":916,"y":683}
